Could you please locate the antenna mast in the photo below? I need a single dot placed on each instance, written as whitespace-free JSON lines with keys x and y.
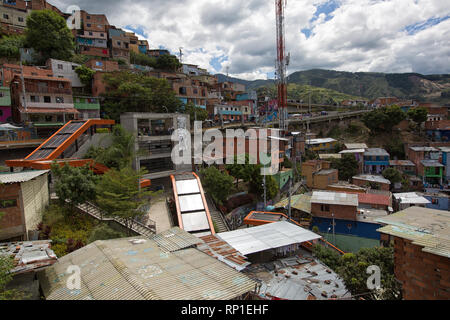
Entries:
{"x":181,"y":54}
{"x":280,"y":6}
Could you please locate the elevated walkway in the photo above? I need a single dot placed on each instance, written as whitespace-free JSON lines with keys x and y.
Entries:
{"x":63,"y":145}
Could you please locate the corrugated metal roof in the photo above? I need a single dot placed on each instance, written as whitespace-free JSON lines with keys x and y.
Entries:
{"x":411,"y":198}
{"x":339,"y":198}
{"x":29,"y":255}
{"x":425,"y":149}
{"x":221,"y":250}
{"x":266,"y":237}
{"x":300,"y":202}
{"x":402,"y":163}
{"x":372,"y":178}
{"x":352,"y":151}
{"x":137,"y":269}
{"x":319,"y":141}
{"x":373,"y":199}
{"x":376,"y":152}
{"x":21,"y":176}
{"x":300,"y":277}
{"x":355,"y":145}
{"x":330,"y":156}
{"x":176,"y":239}
{"x":425,"y":227}
{"x":431,"y":163}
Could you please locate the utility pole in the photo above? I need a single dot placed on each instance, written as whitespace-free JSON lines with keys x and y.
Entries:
{"x":282,"y":61}
{"x":181,"y":54}
{"x":289,"y":205}
{"x":23,"y":90}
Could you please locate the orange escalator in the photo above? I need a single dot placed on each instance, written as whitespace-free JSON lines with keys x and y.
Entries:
{"x":52,"y":150}
{"x":191,"y":205}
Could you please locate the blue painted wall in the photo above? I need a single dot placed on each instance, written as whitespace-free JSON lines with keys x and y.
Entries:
{"x":442,"y":203}
{"x":348,"y":227}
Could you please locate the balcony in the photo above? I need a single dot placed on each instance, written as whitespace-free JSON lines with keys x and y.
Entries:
{"x":31,"y":88}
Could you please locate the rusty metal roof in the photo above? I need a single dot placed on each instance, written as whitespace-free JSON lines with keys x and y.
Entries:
{"x":425,"y":227}
{"x":138,"y":269}
{"x":29,"y":255}
{"x":221,"y":250}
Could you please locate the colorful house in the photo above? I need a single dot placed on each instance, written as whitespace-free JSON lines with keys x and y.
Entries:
{"x":431,"y":172}
{"x":375,"y":160}
{"x":5,"y":105}
{"x":324,"y":144}
{"x":446,"y":162}
{"x":88,"y":107}
{"x":404,"y":166}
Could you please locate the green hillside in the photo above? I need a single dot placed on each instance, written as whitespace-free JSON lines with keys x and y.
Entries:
{"x":301,"y":92}
{"x":369,"y":85}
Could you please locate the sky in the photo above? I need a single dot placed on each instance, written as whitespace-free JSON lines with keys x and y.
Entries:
{"x":240,"y":36}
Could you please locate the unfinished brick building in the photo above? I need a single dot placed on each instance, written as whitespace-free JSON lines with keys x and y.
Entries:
{"x":421,"y":251}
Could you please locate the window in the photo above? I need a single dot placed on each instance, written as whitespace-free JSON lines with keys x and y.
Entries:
{"x":88,"y":17}
{"x":59,"y":100}
{"x":60,"y":118}
{"x":325,"y":207}
{"x":20,"y":19}
{"x":74,"y":67}
{"x":5,"y":16}
{"x":435,"y":201}
{"x":35,"y":118}
{"x":48,"y":118}
{"x":89,"y":25}
{"x":8,"y":203}
{"x":90,"y":33}
{"x":71,"y":116}
{"x":2,"y":94}
{"x":102,"y":34}
{"x":47,"y":99}
{"x":60,"y":67}
{"x":34,"y":98}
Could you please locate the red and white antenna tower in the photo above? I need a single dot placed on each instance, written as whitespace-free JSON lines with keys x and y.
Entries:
{"x":282,"y":62}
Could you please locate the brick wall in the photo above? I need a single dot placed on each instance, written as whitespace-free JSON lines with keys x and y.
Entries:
{"x":423,"y":275}
{"x":322,"y":181}
{"x":12,"y":224}
{"x":364,"y":183}
{"x":339,"y":211}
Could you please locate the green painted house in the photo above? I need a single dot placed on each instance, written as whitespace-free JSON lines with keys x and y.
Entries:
{"x":282,"y":177}
{"x":88,"y":107}
{"x":432,"y":171}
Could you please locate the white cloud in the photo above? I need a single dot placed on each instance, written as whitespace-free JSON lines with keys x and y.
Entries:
{"x":362,"y":35}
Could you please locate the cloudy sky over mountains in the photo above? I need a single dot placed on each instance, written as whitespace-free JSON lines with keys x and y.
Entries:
{"x":345,"y":35}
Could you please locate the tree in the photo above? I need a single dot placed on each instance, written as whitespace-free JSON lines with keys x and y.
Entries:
{"x":47,"y":33}
{"x":85,"y":74}
{"x":393,"y":175}
{"x":6,"y":264}
{"x":117,"y":156}
{"x":384,"y":118}
{"x":352,"y":268}
{"x":10,"y":47}
{"x":256,"y":184}
{"x":418,"y":115}
{"x":347,"y":166}
{"x":119,"y":195}
{"x":217,"y":184}
{"x":195,"y":112}
{"x":142,"y":59}
{"x":129,"y":92}
{"x":168,"y":62}
{"x":241,"y":171}
{"x":77,"y":185}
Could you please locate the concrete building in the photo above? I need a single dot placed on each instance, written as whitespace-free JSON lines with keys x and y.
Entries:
{"x":23,"y":197}
{"x":119,"y":44}
{"x":375,"y":160}
{"x":13,"y":16}
{"x":153,"y":147}
{"x":421,"y":251}
{"x":90,"y":32}
{"x":319,"y":174}
{"x":65,"y":69}
{"x":417,"y":154}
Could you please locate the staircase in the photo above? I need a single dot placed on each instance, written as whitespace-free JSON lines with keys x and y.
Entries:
{"x":216,"y":216}
{"x":146,"y":230}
